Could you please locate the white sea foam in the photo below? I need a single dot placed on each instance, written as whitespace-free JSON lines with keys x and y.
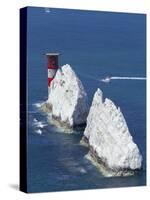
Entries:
{"x":39,"y":131}
{"x":35,"y":120}
{"x":73,"y":166}
{"x":82,"y":170}
{"x":47,"y":10}
{"x":38,"y":105}
{"x":39,"y":124}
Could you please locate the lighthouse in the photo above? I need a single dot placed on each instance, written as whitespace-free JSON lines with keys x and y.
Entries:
{"x":52,"y":66}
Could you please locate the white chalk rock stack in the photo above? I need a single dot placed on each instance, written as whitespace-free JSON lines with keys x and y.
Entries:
{"x":67,"y":99}
{"x":109,"y":139}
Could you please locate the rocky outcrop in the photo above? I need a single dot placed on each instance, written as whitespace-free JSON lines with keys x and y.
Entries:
{"x":111,"y":145}
{"x":67,"y":100}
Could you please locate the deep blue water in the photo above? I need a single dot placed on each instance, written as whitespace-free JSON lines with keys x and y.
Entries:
{"x":95,"y":44}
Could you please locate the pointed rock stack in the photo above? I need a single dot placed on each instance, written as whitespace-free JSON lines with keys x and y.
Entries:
{"x":67,"y":100}
{"x":111,"y":145}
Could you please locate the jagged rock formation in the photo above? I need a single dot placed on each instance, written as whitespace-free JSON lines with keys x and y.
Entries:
{"x":111,"y":145}
{"x":67,"y":100}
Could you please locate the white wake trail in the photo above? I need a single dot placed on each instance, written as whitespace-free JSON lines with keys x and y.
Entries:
{"x":112,"y":78}
{"x":127,"y":78}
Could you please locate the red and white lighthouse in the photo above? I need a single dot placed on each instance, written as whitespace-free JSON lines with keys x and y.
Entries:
{"x":52,"y":66}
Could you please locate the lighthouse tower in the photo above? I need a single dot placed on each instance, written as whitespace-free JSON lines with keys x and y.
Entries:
{"x":52,"y":66}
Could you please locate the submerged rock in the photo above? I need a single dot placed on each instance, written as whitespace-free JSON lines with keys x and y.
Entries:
{"x":67,"y":100}
{"x":111,"y":145}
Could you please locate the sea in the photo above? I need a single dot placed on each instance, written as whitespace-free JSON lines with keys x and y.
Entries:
{"x":96,"y":44}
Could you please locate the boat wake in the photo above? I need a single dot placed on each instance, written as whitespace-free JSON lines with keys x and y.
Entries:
{"x":127,"y":78}
{"x":108,"y":79}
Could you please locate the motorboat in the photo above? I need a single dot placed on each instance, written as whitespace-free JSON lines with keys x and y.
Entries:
{"x":107,"y":79}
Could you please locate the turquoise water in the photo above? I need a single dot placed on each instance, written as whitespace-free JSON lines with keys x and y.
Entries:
{"x":95,"y":44}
